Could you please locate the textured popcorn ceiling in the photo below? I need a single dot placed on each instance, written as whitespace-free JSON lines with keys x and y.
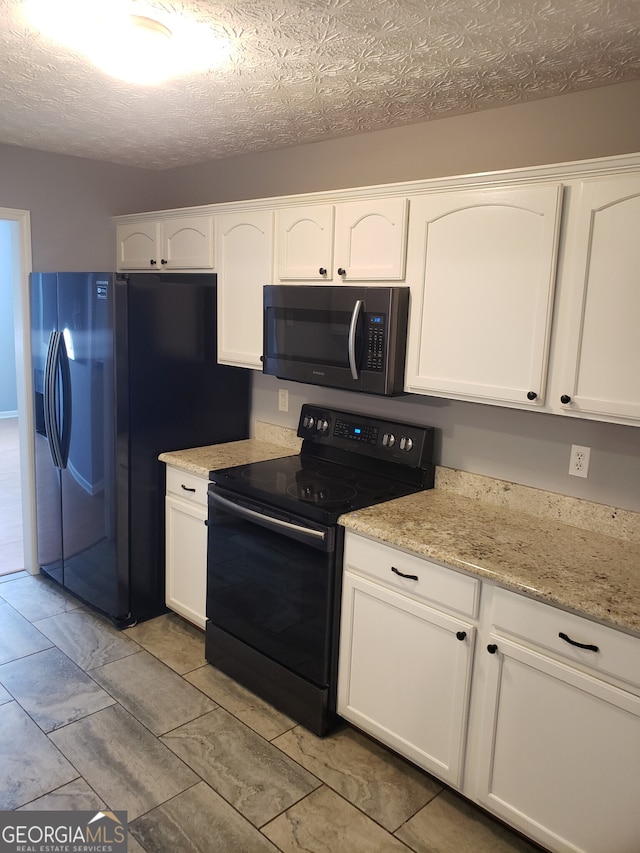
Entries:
{"x":307,"y":70}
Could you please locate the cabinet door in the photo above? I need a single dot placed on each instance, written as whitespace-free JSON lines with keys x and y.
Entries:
{"x":601,"y":373}
{"x":560,"y":753}
{"x":482,"y":270}
{"x":404,"y":675}
{"x":304,"y":243}
{"x":371,"y":240}
{"x":245,"y":265}
{"x":187,"y":243}
{"x":138,"y":245}
{"x":186,"y":560}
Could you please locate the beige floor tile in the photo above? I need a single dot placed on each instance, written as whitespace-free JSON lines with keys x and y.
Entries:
{"x":172,"y":640}
{"x":325,"y":823}
{"x":451,"y":824}
{"x":380,"y":783}
{"x":246,"y":706}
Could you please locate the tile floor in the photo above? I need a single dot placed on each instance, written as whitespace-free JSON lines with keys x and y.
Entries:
{"x":91,"y":717}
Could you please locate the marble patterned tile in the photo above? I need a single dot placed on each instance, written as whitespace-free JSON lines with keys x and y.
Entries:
{"x":35,"y":597}
{"x":324,"y":823}
{"x":379,"y":782}
{"x":133,"y":846}
{"x":12,"y":576}
{"x":197,"y":820}
{"x":246,"y":706}
{"x":30,"y":765}
{"x":4,"y":696}
{"x":52,"y":689}
{"x":451,"y":824}
{"x":152,"y":692}
{"x":74,"y":796}
{"x":18,"y":637}
{"x":87,"y":638}
{"x":171,"y":639}
{"x":122,"y":761}
{"x":251,"y":774}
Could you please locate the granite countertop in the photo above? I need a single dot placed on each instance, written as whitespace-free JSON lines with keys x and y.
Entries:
{"x":589,"y":573}
{"x":202,"y":460}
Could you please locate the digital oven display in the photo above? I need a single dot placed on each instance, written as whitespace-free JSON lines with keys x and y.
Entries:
{"x":356,"y":432}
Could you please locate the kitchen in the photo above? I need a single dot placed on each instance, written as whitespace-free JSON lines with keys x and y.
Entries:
{"x":508,"y":444}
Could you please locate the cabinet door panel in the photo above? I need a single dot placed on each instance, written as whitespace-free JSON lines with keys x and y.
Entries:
{"x":186,"y":560}
{"x":137,"y":245}
{"x":304,"y":240}
{"x":245,"y":265}
{"x":561,"y":753}
{"x":371,"y":239}
{"x":404,"y":675}
{"x":187,"y":243}
{"x":602,"y":374}
{"x":482,"y":277}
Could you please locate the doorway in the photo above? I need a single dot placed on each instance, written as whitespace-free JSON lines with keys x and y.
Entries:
{"x":17,"y":493}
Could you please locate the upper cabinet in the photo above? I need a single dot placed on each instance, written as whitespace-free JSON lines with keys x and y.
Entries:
{"x":245,"y":265}
{"x":481,"y":265}
{"x":176,"y":243}
{"x":601,"y":343}
{"x":353,"y":241}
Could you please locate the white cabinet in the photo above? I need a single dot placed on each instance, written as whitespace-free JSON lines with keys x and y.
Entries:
{"x":405,"y":663}
{"x":352,"y":241}
{"x":186,"y":545}
{"x":481,"y":267}
{"x":245,"y":265}
{"x":559,"y":751}
{"x":173,"y":243}
{"x":601,"y":340}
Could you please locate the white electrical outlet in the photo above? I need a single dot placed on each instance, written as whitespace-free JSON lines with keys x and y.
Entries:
{"x":579,"y":462}
{"x":283,"y":400}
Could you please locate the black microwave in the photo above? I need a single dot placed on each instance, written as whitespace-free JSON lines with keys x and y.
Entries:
{"x":340,"y":336}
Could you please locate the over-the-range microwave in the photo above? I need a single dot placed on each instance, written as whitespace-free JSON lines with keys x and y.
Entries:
{"x":340,"y":336}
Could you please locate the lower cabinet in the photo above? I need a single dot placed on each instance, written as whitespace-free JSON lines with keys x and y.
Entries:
{"x":186,"y":545}
{"x":530,"y":711}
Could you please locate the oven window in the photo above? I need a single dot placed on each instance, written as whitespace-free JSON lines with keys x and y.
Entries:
{"x":271,"y":592}
{"x":315,"y":336}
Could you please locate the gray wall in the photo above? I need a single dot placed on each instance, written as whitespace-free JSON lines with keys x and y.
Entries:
{"x":71,"y":201}
{"x":594,"y":123}
{"x":8,"y":390}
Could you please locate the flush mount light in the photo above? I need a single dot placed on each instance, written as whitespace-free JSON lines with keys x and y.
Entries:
{"x":130,"y":39}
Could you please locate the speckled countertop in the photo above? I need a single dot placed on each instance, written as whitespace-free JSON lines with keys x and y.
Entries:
{"x":593,"y":574}
{"x":574,"y":554}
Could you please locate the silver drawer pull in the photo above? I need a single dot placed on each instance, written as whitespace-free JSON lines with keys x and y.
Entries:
{"x":402,"y":574}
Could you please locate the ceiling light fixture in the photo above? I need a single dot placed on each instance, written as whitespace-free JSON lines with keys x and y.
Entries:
{"x":130,"y":39}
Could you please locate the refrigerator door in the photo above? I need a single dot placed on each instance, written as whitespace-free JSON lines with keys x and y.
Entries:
{"x":44,"y":331}
{"x":86,"y":411}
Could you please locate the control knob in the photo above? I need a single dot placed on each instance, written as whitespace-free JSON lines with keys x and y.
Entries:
{"x":308,"y":421}
{"x":388,"y":439}
{"x":406,"y":443}
{"x":322,"y":425}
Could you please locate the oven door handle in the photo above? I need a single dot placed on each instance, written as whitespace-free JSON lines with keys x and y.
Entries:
{"x":353,"y":327}
{"x":266,"y":520}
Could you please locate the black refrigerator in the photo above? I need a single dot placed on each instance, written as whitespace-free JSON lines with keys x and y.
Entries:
{"x":124,"y":368}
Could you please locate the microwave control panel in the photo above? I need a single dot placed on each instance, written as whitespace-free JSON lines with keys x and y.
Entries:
{"x":375,"y":340}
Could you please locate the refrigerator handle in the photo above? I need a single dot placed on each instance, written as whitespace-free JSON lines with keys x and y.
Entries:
{"x":65,"y":427}
{"x":49,"y":399}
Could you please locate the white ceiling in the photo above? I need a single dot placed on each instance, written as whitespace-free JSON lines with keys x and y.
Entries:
{"x":307,"y":70}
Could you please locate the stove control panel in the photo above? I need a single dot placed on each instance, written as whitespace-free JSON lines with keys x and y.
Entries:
{"x":407,"y":444}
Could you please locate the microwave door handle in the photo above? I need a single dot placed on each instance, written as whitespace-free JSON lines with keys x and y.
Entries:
{"x":353,"y":326}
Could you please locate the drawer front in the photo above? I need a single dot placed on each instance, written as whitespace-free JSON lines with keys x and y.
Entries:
{"x":414,"y":576}
{"x":187,"y":486}
{"x":608,"y":651}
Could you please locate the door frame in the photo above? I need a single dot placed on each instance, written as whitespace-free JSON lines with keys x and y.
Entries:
{"x":21,"y":268}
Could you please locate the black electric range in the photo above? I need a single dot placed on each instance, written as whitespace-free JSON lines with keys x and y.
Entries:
{"x":274,"y":554}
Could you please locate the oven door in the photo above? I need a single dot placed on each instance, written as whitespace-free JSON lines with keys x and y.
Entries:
{"x":271,"y":584}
